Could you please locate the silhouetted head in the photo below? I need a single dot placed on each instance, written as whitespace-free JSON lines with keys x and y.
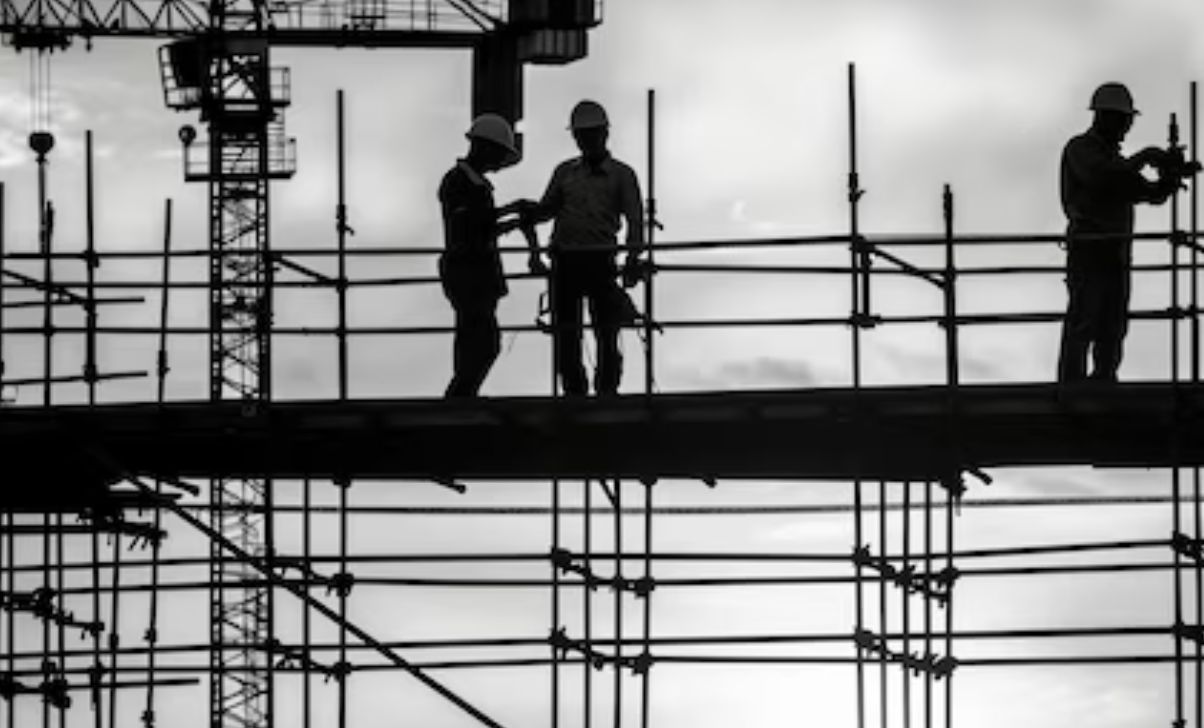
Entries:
{"x":491,"y":143}
{"x":485,"y":156}
{"x":1114,"y":110}
{"x":591,"y":129}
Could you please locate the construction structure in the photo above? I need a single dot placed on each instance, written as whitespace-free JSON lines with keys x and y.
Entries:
{"x":246,"y":470}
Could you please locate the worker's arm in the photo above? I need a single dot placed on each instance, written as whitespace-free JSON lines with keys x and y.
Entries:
{"x":1113,"y":174}
{"x":549,"y":205}
{"x":631,"y":207}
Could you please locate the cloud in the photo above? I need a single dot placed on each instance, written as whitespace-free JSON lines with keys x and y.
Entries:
{"x":756,"y":373}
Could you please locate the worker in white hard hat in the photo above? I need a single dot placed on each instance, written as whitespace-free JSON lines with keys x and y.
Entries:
{"x":470,"y":267}
{"x":1100,"y":188}
{"x":590,"y":199}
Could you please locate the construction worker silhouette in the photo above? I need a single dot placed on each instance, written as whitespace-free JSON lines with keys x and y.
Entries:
{"x":1100,"y":188}
{"x":470,"y":267}
{"x":588,"y":197}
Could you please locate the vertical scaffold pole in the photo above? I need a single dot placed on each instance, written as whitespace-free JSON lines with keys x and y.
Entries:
{"x":649,"y":388}
{"x":91,"y":262}
{"x":928,"y":601}
{"x":10,"y":620}
{"x":90,"y":377}
{"x":1194,"y":222}
{"x":40,"y":143}
{"x":650,"y":224}
{"x":343,"y":485}
{"x":646,"y":658}
{"x":555,"y":606}
{"x":89,"y":370}
{"x":10,"y":520}
{"x":906,"y":618}
{"x":307,"y":687}
{"x":883,"y":616}
{"x":1176,"y":474}
{"x":60,"y":555}
{"x":587,"y":561}
{"x":114,"y":626}
{"x":8,"y":563}
{"x":618,"y":590}
{"x":343,"y":668}
{"x":342,"y":229}
{"x":161,"y":370}
{"x":854,"y":195}
{"x":6,"y":553}
{"x":953,"y":382}
{"x":3,"y":367}
{"x":949,"y":506}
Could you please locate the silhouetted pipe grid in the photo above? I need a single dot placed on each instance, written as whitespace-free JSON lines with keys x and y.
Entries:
{"x":881,"y":575}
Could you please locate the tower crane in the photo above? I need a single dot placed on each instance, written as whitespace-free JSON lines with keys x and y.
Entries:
{"x":215,"y":61}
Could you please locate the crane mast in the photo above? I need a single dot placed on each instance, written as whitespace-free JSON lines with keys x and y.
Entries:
{"x":241,"y":98}
{"x":218,"y":63}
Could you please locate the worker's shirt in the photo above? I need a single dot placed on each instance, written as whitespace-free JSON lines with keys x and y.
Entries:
{"x":1099,"y":186}
{"x":589,"y":201}
{"x":471,"y":263}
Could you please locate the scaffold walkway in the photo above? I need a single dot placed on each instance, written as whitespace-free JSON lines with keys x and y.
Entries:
{"x":898,"y":433}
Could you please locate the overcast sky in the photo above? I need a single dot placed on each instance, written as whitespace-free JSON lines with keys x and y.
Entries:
{"x":751,"y":142}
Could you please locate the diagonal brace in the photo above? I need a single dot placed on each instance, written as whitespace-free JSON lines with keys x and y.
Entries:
{"x":276,"y":580}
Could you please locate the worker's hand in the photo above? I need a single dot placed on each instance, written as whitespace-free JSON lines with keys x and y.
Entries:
{"x":536,"y":265}
{"x":1153,"y":156}
{"x":633,"y":271}
{"x":516,"y":207}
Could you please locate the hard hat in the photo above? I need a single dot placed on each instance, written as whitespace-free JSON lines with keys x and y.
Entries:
{"x":587,"y":115}
{"x":1114,"y":97}
{"x":494,"y":128}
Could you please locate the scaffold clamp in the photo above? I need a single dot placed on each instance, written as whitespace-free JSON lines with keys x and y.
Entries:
{"x":944,"y":667}
{"x":559,"y":640}
{"x":341,"y":583}
{"x":641,"y":663}
{"x":562,"y":559}
{"x":1193,"y":632}
{"x":1191,"y":548}
{"x":338,"y":671}
{"x":95,"y":673}
{"x":643,"y":587}
{"x":862,"y":556}
{"x":10,"y":687}
{"x":54,"y":692}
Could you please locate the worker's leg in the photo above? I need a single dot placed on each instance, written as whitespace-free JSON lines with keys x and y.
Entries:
{"x":566,"y":294}
{"x":605,"y":315}
{"x":1113,"y":323}
{"x":1076,"y":326}
{"x":476,"y":346}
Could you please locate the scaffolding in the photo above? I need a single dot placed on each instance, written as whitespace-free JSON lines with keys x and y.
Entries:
{"x":902,"y":567}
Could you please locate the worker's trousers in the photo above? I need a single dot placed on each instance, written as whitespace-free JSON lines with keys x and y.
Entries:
{"x":1097,"y":315}
{"x":473,"y":288}
{"x":578,"y":278}
{"x":476,"y":345}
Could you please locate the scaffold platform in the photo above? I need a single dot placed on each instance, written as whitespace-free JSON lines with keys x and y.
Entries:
{"x":56,"y":455}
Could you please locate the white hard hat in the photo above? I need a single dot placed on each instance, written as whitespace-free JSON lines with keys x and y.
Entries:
{"x":1113,"y":96}
{"x":494,"y":128}
{"x":587,"y":115}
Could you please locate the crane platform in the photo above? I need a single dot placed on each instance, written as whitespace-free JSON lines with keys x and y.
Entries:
{"x":60,"y":457}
